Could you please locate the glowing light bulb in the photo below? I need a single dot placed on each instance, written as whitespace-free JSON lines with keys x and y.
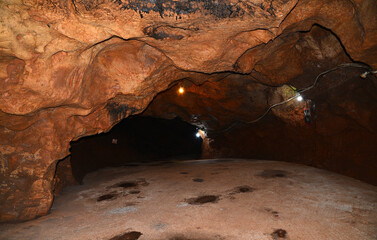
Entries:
{"x":299,"y":98}
{"x":201,"y":134}
{"x":181,"y":90}
{"x":364,"y":75}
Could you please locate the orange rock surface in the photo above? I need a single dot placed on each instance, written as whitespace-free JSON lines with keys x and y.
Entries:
{"x":70,"y":69}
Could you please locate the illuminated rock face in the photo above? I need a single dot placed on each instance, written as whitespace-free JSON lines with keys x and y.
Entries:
{"x":75,"y":68}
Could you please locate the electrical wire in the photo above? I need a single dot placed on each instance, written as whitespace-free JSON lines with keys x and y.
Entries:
{"x":331,"y":70}
{"x":309,"y":87}
{"x":301,"y":91}
{"x":271,"y":107}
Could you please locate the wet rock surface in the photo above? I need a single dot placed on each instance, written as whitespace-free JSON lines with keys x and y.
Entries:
{"x":308,"y":204}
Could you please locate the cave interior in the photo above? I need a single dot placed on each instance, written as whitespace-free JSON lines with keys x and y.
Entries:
{"x":188,"y":120}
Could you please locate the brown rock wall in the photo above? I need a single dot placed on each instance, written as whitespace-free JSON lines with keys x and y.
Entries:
{"x":63,"y":176}
{"x":341,"y":137}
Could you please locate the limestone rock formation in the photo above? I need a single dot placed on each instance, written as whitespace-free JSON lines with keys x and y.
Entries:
{"x":70,"y":69}
{"x":63,"y":176}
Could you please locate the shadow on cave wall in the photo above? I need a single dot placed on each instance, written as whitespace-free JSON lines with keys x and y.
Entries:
{"x":342,"y":137}
{"x":135,"y":139}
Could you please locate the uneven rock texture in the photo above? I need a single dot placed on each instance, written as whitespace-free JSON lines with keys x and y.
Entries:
{"x":69,"y":69}
{"x":63,"y":176}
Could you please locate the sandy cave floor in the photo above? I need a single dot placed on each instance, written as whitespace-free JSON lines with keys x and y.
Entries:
{"x":209,"y":200}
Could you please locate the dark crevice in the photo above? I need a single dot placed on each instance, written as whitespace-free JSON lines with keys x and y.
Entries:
{"x":290,"y":11}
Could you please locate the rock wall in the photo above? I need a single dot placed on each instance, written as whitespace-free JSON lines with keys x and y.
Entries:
{"x":70,"y":69}
{"x":343,"y":131}
{"x":341,"y":137}
{"x":63,"y":176}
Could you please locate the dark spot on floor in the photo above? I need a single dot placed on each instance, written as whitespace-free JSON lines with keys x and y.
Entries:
{"x":203,"y":199}
{"x":127,"y":236}
{"x":231,"y":197}
{"x":198,"y":180}
{"x":106,"y":197}
{"x":126,"y":184}
{"x":244,"y":189}
{"x":276,"y":214}
{"x":130,"y":184}
{"x":183,"y":172}
{"x":159,"y":226}
{"x":279,"y":234}
{"x":271,"y":173}
{"x":130,"y":204}
{"x":199,"y":237}
{"x":134,"y":192}
{"x":142,"y":182}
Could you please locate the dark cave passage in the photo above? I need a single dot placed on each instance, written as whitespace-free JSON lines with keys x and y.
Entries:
{"x":134,"y":140}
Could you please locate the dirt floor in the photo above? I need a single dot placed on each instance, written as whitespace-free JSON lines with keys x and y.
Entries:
{"x":209,"y":200}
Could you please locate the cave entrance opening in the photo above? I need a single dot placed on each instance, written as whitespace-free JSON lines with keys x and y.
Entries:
{"x":136,"y":140}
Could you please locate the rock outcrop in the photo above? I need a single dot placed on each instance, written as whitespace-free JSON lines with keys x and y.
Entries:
{"x":70,"y":69}
{"x":63,"y":176}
